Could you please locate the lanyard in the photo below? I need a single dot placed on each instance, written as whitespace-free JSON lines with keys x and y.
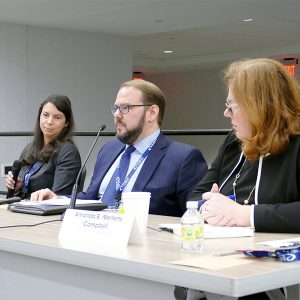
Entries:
{"x":28,"y":175}
{"x":120,"y":187}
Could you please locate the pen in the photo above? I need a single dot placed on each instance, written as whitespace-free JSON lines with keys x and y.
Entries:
{"x":232,"y":197}
{"x":225,"y":253}
{"x":166,"y":229}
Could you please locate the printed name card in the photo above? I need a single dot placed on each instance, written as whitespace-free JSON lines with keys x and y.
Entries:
{"x":99,"y":229}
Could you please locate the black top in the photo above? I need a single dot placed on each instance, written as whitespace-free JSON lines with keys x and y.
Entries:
{"x":277,"y":184}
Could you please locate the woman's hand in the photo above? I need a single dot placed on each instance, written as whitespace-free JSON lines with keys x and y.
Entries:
{"x":219,"y":210}
{"x":10,"y":183}
{"x":43,"y":194}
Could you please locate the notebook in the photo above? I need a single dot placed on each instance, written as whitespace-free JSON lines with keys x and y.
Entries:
{"x":53,"y":206}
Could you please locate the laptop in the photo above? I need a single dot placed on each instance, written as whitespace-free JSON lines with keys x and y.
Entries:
{"x":46,"y":208}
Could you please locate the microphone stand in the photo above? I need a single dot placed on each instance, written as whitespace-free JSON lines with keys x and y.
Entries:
{"x":75,"y":186}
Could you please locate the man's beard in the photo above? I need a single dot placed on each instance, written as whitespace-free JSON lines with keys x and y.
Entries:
{"x":132,"y":135}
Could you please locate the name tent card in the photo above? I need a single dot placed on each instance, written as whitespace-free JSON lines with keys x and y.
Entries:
{"x":99,"y":229}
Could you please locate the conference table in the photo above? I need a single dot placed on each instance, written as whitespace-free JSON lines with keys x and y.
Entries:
{"x":35,"y":265}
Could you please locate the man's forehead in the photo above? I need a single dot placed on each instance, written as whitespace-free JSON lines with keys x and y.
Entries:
{"x":129,"y":95}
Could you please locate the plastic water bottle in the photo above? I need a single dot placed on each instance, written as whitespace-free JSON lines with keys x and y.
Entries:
{"x":121,"y":209}
{"x":192,"y":228}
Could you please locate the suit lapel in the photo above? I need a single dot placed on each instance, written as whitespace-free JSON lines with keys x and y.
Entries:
{"x":156,"y":154}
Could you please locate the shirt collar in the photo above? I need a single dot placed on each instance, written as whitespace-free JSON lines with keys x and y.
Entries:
{"x":143,"y":144}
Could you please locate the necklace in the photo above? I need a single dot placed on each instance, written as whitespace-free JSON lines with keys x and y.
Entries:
{"x":237,"y":176}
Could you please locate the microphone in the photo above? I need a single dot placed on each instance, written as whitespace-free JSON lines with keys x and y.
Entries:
{"x":75,"y":186}
{"x":10,"y":200}
{"x":17,"y":165}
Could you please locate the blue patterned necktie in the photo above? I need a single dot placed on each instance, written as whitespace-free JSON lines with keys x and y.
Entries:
{"x":110,"y":191}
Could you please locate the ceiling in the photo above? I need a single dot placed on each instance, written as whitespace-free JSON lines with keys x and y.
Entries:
{"x":201,"y":33}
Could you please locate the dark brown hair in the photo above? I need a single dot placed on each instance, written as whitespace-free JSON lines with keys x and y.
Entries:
{"x":38,"y":150}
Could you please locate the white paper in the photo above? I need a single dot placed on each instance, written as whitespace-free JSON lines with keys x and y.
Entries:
{"x":226,"y":232}
{"x":213,"y":232}
{"x":281,"y":243}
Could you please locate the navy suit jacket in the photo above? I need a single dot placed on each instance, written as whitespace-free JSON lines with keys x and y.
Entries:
{"x":170,"y":173}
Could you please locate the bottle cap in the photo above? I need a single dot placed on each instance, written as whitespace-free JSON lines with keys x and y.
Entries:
{"x":192,"y":204}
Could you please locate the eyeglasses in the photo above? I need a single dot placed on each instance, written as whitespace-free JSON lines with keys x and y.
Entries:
{"x":124,"y":109}
{"x":231,"y":107}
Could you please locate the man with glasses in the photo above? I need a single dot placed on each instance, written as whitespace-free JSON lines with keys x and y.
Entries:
{"x":167,"y":169}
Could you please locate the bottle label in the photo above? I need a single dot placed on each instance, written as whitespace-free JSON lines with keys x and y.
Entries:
{"x":121,"y":209}
{"x":192,"y":232}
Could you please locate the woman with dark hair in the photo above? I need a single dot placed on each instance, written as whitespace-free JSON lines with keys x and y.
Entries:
{"x":51,"y":160}
{"x":259,"y":162}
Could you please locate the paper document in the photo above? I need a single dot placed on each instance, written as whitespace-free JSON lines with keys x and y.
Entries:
{"x":213,"y":232}
{"x":282,"y":243}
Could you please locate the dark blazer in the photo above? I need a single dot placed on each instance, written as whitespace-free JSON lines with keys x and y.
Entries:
{"x":170,"y":172}
{"x":278,"y":189}
{"x":58,"y":174}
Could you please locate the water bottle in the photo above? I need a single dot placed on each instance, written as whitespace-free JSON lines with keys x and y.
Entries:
{"x":192,"y":228}
{"x":121,"y":209}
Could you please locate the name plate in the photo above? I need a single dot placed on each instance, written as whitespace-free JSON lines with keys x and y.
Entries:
{"x":98,"y":229}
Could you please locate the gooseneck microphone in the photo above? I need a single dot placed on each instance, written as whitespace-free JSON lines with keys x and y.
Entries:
{"x":17,"y":165}
{"x":75,"y":187}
